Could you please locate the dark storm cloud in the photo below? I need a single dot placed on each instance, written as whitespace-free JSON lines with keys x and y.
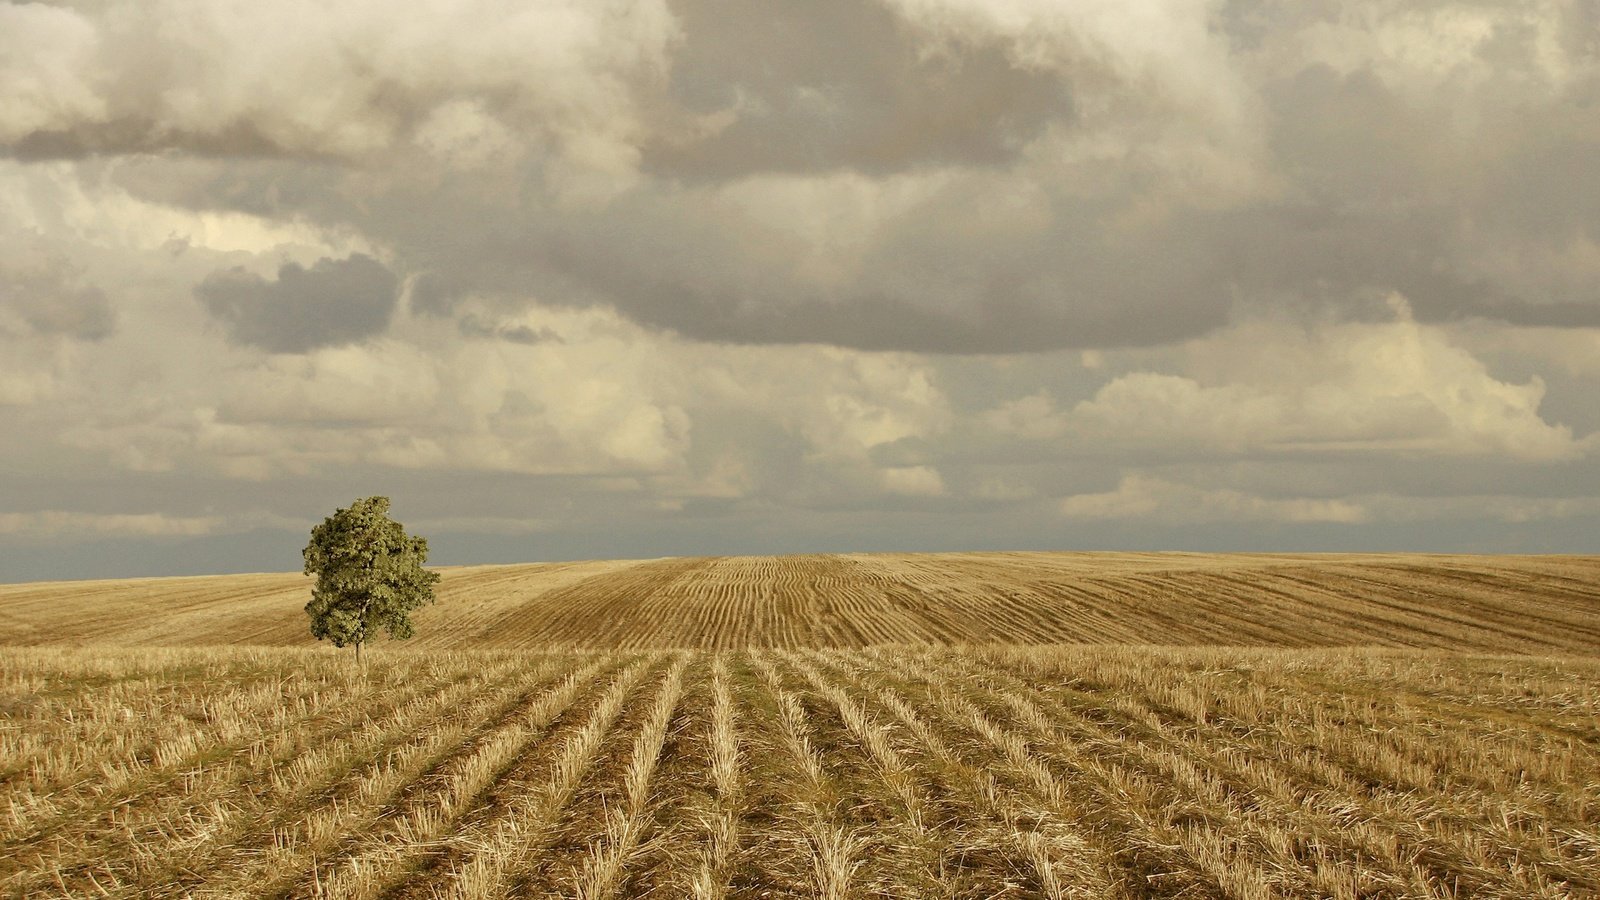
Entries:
{"x":336,"y":301}
{"x":50,"y":295}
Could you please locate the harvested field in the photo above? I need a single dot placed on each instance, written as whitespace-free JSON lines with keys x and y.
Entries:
{"x":910,"y":772}
{"x":1469,"y":603}
{"x":860,"y":726}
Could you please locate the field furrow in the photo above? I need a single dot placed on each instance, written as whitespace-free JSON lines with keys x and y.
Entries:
{"x":577,"y":830}
{"x":1336,"y":815}
{"x":423,"y":804}
{"x":1165,"y":833}
{"x":142,"y":805}
{"x":1296,"y":833}
{"x":143,"y":750}
{"x":145,"y":838}
{"x":812,"y":844}
{"x":1482,"y":604}
{"x":717,"y":822}
{"x":993,"y":773}
{"x":307,"y":810}
{"x":628,"y":821}
{"x":977,"y":726}
{"x":494,"y":853}
{"x":960,"y":831}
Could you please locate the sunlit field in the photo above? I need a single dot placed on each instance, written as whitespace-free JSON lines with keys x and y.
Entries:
{"x":1493,"y":604}
{"x":974,"y":726}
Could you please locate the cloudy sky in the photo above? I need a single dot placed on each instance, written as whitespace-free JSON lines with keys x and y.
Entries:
{"x":582,"y":278}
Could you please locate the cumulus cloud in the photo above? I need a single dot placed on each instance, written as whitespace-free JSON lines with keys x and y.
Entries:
{"x":600,"y":397}
{"x":1366,"y":388}
{"x":1165,"y":53}
{"x":765,"y":88}
{"x":923,"y":175}
{"x":721,"y":268}
{"x":299,"y":79}
{"x":865,"y":402}
{"x":336,"y":301}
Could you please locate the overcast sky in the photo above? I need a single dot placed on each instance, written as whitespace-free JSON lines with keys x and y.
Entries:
{"x":582,"y":278}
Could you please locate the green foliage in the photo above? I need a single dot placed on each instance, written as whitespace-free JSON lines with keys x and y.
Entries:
{"x":369,"y":575}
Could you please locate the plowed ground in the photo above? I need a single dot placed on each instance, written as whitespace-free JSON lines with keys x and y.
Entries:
{"x":953,"y":726}
{"x":1086,"y":772}
{"x":1492,"y":604}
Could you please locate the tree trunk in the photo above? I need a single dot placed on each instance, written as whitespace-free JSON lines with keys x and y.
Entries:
{"x":361,"y":630}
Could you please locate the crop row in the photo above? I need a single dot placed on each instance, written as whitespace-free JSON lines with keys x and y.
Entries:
{"x":890,"y":772}
{"x":1472,"y":604}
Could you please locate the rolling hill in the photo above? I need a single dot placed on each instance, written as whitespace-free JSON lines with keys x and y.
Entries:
{"x":983,"y":726}
{"x":1503,"y":604}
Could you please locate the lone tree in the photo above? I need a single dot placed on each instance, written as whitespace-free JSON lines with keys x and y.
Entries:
{"x":369,"y":575}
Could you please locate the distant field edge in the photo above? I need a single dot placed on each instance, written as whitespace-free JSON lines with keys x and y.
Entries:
{"x":1516,"y":604}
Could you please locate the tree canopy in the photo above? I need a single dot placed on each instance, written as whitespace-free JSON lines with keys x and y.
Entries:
{"x":369,"y":575}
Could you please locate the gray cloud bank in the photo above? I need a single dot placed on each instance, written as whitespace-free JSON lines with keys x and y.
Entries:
{"x":935,"y":175}
{"x":44,"y":294}
{"x":336,"y":301}
{"x":772,"y":269}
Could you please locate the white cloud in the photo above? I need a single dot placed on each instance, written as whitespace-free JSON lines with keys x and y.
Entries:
{"x":729,"y":475}
{"x":990,"y":251}
{"x":598,"y":396}
{"x":33,"y":369}
{"x":43,"y":292}
{"x":821,"y":226}
{"x":349,"y":81}
{"x":913,"y":481}
{"x":1147,"y":498}
{"x":1168,"y":42}
{"x":464,"y":134}
{"x":484,"y":525}
{"x":1419,"y":50}
{"x":49,"y":69}
{"x":384,"y":382}
{"x":1154,"y":82}
{"x":1150,"y":499}
{"x":59,"y":199}
{"x":867,"y":400}
{"x":1001,"y":489}
{"x":1395,"y":387}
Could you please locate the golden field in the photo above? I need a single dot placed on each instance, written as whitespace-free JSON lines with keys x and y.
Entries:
{"x":1477,"y":603}
{"x":858,"y":726}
